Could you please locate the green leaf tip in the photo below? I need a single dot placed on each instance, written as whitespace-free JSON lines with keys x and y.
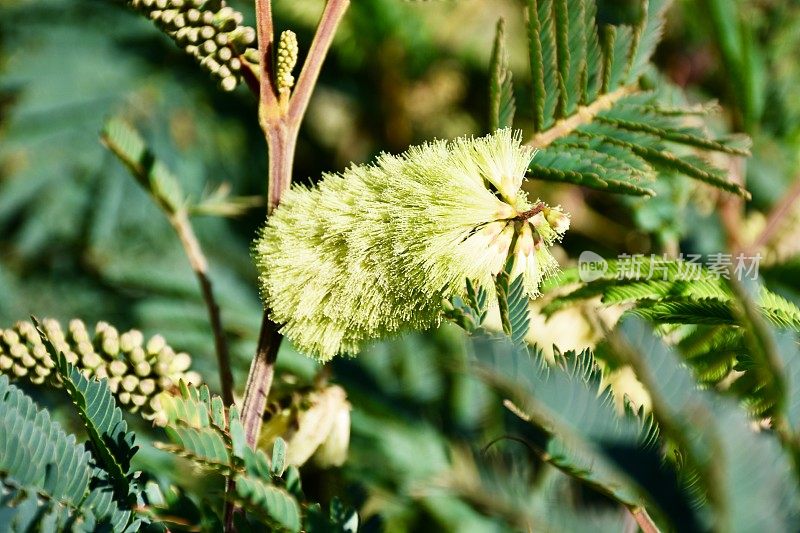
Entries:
{"x":374,"y":251}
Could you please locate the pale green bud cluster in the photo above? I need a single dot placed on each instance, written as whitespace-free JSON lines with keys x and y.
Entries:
{"x":208,"y":30}
{"x":286,"y":61}
{"x":375,"y":250}
{"x":137,"y":371}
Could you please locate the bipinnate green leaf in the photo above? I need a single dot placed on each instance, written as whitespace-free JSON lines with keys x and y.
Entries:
{"x":585,"y":436}
{"x":48,"y":481}
{"x":596,"y":126}
{"x":513,"y":305}
{"x":272,"y":503}
{"x":737,"y":466}
{"x":501,"y":87}
{"x":112,"y":443}
{"x":150,"y":172}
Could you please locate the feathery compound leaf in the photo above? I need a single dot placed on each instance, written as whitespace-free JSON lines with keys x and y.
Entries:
{"x":542,"y":50}
{"x":150,"y":172}
{"x":376,"y":250}
{"x":45,"y":476}
{"x":32,"y":446}
{"x":571,"y":53}
{"x":646,"y":36}
{"x":501,"y":87}
{"x":196,"y":425}
{"x":586,"y":437}
{"x":272,"y":503}
{"x":111,"y":442}
{"x":513,"y":305}
{"x":616,"y":43}
{"x":736,"y":464}
{"x":589,"y":82}
{"x":671,"y":292}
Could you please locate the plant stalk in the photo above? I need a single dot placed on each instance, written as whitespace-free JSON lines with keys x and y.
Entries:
{"x":199,"y":263}
{"x":777,"y":216}
{"x":281,"y":125}
{"x":643,"y":519}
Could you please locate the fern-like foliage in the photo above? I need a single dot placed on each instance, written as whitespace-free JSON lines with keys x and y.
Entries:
{"x":669,"y":292}
{"x":48,"y":481}
{"x":112,"y":444}
{"x":201,"y":430}
{"x":584,"y":435}
{"x":471,"y":311}
{"x":712,"y":336}
{"x":596,"y":125}
{"x":513,"y":305}
{"x":158,"y":180}
{"x":502,"y":104}
{"x":736,"y":465}
{"x":702,"y":467}
{"x":138,"y":369}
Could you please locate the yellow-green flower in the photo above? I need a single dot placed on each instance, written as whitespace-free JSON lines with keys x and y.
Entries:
{"x":374,"y":251}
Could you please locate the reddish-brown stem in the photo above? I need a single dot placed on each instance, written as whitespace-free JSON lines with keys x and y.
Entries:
{"x":535,"y":210}
{"x":267,"y":97}
{"x":180,"y":222}
{"x":778,"y":215}
{"x":262,"y":371}
{"x":281,"y":141}
{"x":645,"y":522}
{"x":281,"y":125}
{"x":331,"y":16}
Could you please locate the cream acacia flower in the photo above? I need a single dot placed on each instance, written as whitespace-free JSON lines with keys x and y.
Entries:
{"x":373,"y":251}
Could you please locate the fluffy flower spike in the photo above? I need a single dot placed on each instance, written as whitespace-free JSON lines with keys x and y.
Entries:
{"x":375,"y":250}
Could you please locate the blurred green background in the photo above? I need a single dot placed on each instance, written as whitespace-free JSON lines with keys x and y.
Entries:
{"x":79,"y":238}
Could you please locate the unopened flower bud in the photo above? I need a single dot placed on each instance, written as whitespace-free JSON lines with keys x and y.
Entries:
{"x":286,"y":60}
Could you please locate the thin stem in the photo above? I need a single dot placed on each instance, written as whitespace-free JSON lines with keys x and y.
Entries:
{"x":197,"y":260}
{"x":778,"y":214}
{"x":281,"y":125}
{"x":535,"y":210}
{"x":268,"y":109}
{"x":643,"y":519}
{"x":281,"y":142}
{"x":331,"y":16}
{"x":583,"y":115}
{"x":731,"y":207}
{"x":259,"y":381}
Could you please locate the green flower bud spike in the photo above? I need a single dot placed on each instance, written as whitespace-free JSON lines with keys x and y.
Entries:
{"x":209,"y":31}
{"x":374,"y":251}
{"x":137,"y":372}
{"x":286,"y":61}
